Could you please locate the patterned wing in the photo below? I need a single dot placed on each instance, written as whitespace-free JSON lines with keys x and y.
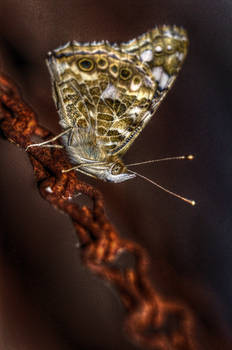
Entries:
{"x":111,"y":92}
{"x":164,"y":50}
{"x":103,"y":92}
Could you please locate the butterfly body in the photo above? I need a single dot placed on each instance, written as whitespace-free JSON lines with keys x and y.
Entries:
{"x":105,"y":95}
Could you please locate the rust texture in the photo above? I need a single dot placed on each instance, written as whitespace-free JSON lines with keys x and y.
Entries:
{"x":148,"y":321}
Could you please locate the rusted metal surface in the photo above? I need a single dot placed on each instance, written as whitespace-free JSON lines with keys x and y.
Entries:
{"x":149,"y":321}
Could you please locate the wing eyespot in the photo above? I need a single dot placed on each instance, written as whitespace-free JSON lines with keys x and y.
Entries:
{"x":170,"y":49}
{"x":136,"y":80}
{"x":158,"y":50}
{"x":125,"y":73}
{"x":102,"y":63}
{"x":114,"y":69}
{"x":86,"y":64}
{"x":136,"y":83}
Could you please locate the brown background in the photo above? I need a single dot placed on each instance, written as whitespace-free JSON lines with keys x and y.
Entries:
{"x":48,"y":300}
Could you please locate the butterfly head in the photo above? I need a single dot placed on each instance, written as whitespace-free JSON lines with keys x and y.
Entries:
{"x":117,"y":172}
{"x":113,"y":171}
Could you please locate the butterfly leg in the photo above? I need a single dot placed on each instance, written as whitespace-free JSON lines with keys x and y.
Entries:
{"x":76,"y":167}
{"x":50,"y":146}
{"x":46,"y":143}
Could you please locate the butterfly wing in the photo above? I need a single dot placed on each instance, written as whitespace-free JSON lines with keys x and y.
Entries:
{"x":110,"y":92}
{"x":101,"y":92}
{"x":164,"y":50}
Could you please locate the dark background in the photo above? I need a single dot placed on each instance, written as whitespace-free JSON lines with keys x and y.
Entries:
{"x":48,"y":300}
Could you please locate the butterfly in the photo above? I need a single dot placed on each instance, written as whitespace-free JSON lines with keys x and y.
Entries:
{"x":106,"y":94}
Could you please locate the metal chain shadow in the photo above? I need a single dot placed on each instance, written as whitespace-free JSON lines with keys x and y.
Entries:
{"x":148,"y":315}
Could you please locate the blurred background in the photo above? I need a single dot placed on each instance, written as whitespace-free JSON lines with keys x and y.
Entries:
{"x":48,"y":300}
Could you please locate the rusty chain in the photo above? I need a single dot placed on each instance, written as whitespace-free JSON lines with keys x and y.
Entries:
{"x":147,"y":321}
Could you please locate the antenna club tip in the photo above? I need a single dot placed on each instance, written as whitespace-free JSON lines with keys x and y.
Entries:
{"x":193,"y":203}
{"x":190,"y":157}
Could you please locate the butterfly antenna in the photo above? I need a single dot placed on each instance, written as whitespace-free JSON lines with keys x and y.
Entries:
{"x":163,"y":188}
{"x":189,"y":157}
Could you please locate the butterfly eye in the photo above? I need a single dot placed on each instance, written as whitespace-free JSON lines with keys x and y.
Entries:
{"x":102,"y":63}
{"x":125,"y":73}
{"x":116,"y":169}
{"x":86,"y":64}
